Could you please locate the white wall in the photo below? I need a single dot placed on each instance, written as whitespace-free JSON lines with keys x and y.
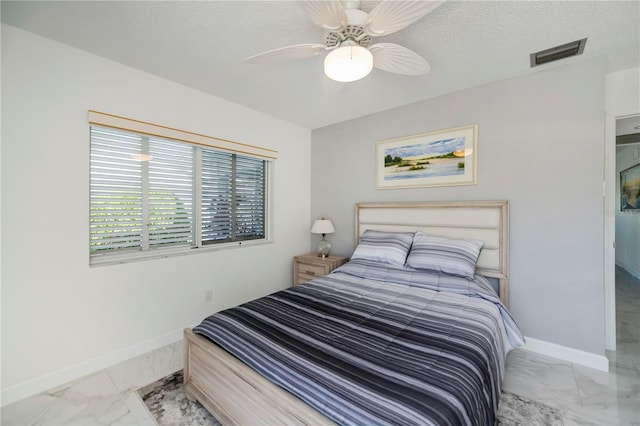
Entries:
{"x":623,"y":91}
{"x":541,"y":144}
{"x":59,"y":316}
{"x":627,"y":223}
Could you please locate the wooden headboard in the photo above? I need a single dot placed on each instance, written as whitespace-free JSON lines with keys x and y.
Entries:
{"x":481,"y":220}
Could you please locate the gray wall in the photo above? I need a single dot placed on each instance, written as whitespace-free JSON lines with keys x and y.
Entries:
{"x":541,"y":140}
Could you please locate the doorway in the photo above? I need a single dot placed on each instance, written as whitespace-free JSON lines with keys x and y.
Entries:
{"x":622,"y":240}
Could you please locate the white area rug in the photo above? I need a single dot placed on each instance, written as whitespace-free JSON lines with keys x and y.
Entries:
{"x":169,"y":405}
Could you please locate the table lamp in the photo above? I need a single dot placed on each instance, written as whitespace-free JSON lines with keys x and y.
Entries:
{"x":323,"y":226}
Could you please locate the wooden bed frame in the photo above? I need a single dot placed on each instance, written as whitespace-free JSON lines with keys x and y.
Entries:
{"x":236,"y":395}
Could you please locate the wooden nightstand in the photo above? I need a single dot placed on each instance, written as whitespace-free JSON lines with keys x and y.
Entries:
{"x":309,"y":266}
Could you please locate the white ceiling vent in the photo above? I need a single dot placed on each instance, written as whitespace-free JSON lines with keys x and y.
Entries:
{"x":559,"y":52}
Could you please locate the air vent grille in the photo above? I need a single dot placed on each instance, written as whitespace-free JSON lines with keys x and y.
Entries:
{"x":559,"y":52}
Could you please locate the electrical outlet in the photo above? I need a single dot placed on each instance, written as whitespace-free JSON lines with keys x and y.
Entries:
{"x":208,"y":296}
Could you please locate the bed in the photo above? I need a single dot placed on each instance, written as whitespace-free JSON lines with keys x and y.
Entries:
{"x":409,"y":331}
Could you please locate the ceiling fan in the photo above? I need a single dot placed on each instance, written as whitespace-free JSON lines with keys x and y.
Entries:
{"x":349,"y":34}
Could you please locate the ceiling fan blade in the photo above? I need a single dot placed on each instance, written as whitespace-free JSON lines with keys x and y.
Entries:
{"x":397,"y":59}
{"x":330,"y":15}
{"x":289,"y":53}
{"x":391,"y":16}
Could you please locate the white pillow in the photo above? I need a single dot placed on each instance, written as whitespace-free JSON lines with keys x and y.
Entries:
{"x":451,"y":256}
{"x":382,"y":246}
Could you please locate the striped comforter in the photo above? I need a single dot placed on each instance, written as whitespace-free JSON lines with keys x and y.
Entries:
{"x":371,"y":344}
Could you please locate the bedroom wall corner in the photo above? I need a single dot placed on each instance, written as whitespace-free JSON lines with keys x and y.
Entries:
{"x":62,"y":318}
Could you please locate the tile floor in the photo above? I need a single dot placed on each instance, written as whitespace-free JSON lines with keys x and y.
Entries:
{"x":584,"y":396}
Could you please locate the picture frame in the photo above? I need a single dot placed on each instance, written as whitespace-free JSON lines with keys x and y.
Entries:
{"x":445,"y":157}
{"x":630,"y":189}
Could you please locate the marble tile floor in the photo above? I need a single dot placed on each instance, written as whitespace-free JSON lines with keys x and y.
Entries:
{"x":583,"y":395}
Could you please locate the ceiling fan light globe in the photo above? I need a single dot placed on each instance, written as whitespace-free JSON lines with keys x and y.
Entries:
{"x":348,"y":63}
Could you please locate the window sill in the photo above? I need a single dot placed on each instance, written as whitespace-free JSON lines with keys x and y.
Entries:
{"x":118,"y":259}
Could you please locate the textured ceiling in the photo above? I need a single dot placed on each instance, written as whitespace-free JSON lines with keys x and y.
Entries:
{"x":203,"y":44}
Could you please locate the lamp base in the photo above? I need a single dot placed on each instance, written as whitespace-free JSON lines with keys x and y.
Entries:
{"x":324,"y":248}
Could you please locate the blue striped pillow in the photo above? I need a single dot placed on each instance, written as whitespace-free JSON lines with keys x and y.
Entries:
{"x":456,"y":257}
{"x":385,"y":247}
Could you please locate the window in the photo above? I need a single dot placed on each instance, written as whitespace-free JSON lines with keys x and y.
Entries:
{"x":151,"y":195}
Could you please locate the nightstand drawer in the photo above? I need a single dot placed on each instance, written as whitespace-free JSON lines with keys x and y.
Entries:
{"x":313,"y":271}
{"x":309,"y":266}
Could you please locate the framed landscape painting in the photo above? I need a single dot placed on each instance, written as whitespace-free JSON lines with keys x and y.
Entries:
{"x":630,"y":189}
{"x":441,"y":158}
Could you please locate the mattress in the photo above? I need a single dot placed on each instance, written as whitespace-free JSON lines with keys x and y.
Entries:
{"x":378,"y":344}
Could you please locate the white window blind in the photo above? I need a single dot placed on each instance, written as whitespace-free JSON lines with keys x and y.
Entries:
{"x":217,"y":196}
{"x":150,"y":194}
{"x":116,"y":191}
{"x":171,"y":187}
{"x":249,"y":197}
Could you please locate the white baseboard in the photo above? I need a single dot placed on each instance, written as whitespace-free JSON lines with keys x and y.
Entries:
{"x":40,"y":384}
{"x":575,"y":356}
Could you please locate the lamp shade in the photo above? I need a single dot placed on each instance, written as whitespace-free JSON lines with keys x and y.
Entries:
{"x":348,"y":63}
{"x":322,"y":226}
